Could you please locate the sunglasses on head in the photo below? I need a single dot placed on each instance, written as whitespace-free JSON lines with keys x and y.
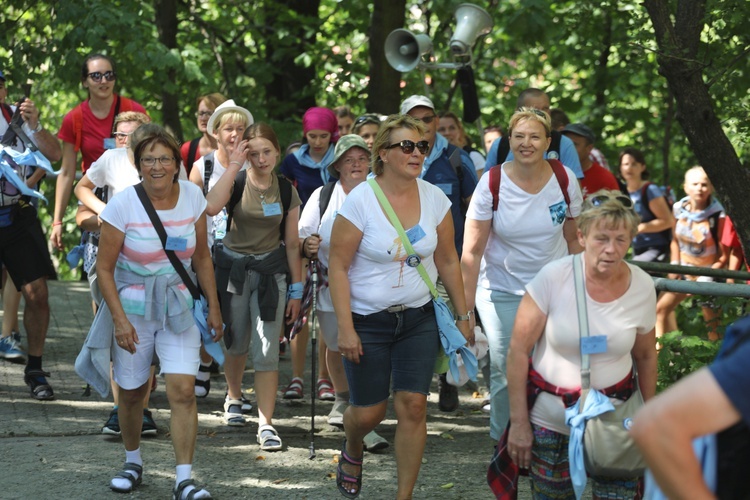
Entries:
{"x":408,"y":146}
{"x":625,"y":201}
{"x":97,"y":76}
{"x":368,"y":118}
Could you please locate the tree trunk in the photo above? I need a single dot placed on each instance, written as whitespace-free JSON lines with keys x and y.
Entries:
{"x":166,"y":22}
{"x":679,"y":64}
{"x":384,"y":89}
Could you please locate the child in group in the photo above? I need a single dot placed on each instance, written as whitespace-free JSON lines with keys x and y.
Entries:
{"x":699,"y":221}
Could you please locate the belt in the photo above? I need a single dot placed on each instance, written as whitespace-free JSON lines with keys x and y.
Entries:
{"x":401,"y":308}
{"x":397,"y":308}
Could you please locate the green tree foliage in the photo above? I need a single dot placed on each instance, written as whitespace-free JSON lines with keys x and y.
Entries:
{"x":596,"y":58}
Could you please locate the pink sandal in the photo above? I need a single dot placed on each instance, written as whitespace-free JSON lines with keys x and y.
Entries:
{"x":294,"y":390}
{"x":325,"y":390}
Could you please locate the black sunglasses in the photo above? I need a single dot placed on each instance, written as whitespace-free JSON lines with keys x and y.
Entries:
{"x":625,"y":201}
{"x":98,"y":75}
{"x":368,"y":118}
{"x":407,"y":146}
{"x":426,"y":119}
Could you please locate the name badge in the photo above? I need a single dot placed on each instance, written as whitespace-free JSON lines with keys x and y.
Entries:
{"x":594,"y":345}
{"x":271,"y":209}
{"x":176,"y":244}
{"x":446,"y":188}
{"x":415,"y":234}
{"x":109,"y":143}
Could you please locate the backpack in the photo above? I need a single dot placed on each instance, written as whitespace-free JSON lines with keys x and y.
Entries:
{"x":208,"y":169}
{"x":557,"y":168}
{"x":192,"y":154}
{"x":285,"y":191}
{"x":325,"y":197}
{"x":7,"y":112}
{"x":504,"y":147}
{"x":122,"y":104}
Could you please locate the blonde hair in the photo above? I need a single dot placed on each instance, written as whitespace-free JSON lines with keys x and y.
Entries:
{"x":229,"y":116}
{"x":698,"y":169}
{"x":531,"y":114}
{"x":383,"y":139}
{"x":612,"y":212}
{"x":130,"y":116}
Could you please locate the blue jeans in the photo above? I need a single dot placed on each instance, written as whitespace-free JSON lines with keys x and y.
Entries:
{"x":498,"y":313}
{"x":399,"y":350}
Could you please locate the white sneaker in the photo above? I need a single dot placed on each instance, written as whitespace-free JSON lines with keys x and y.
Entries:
{"x":336,"y":417}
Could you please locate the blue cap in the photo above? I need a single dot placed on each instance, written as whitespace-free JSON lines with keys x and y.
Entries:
{"x":2,"y":76}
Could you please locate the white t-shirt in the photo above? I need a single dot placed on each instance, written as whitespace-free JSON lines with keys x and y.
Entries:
{"x":527,"y":230}
{"x":311,"y":223}
{"x":557,"y":354}
{"x":114,"y":170}
{"x":216,"y":173}
{"x":142,"y":251}
{"x":379,"y":276}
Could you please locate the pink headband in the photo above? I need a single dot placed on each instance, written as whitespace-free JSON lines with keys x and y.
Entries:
{"x":321,"y":119}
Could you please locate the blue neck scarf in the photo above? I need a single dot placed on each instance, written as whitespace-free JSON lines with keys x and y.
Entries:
{"x":441,"y":144}
{"x":304,"y":159}
{"x":701,"y":215}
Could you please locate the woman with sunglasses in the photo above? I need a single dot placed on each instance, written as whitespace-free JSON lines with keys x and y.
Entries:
{"x":545,"y":351}
{"x":88,"y":128}
{"x":367,"y":126}
{"x":388,"y":335}
{"x":201,"y":146}
{"x":506,"y":244}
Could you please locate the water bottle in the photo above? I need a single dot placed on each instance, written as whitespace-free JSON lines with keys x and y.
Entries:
{"x":220,"y":225}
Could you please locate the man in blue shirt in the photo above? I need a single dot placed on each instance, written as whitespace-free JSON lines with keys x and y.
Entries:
{"x":566,"y":152}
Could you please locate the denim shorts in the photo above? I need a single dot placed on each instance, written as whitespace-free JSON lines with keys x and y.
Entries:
{"x":399,"y":353}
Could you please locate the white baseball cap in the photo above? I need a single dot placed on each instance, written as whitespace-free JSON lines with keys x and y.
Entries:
{"x":414,"y":101}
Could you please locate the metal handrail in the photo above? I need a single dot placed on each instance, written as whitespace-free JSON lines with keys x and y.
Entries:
{"x":691,"y":270}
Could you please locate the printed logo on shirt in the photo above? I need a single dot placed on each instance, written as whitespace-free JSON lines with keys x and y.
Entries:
{"x":557,"y":213}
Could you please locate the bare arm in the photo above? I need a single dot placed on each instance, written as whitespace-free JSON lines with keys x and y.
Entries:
{"x":84,"y":191}
{"x":644,"y":355}
{"x":345,"y":239}
{"x":664,"y":218}
{"x":449,"y":270}
{"x":204,"y":268}
{"x":220,"y":193}
{"x":110,"y":245}
{"x":48,"y":144}
{"x":291,"y":241}
{"x":64,"y":186}
{"x":570,"y":233}
{"x":35,"y":177}
{"x":476,"y":234}
{"x":665,"y":427}
{"x":87,"y":219}
{"x":528,"y":328}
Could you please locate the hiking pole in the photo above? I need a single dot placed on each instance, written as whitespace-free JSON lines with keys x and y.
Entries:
{"x":314,"y":340}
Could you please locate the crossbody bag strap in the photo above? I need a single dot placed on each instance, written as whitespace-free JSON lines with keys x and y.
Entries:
{"x":583,"y":319}
{"x":159,"y":227}
{"x":380,"y":195}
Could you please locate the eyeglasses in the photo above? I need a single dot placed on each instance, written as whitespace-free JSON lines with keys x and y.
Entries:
{"x":625,"y":201}
{"x":97,"y":76}
{"x":407,"y":146}
{"x":354,"y":161}
{"x":425,"y":119}
{"x":164,"y":160}
{"x":204,"y":114}
{"x":122,"y":135}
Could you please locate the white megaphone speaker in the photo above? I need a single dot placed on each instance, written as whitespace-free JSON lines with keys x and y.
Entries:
{"x":404,"y":49}
{"x":471,"y":23}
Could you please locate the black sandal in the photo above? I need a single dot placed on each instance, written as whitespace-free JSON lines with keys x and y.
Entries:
{"x":342,"y":477}
{"x":124,"y":474}
{"x":205,"y":384}
{"x":177,"y":491}
{"x":37,"y":382}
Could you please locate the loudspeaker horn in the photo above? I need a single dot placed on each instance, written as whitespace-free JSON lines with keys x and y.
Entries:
{"x":471,"y":23}
{"x":404,"y":49}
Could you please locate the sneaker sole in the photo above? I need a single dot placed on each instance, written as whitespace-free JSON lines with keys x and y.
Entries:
{"x":336,"y":422}
{"x":150,"y":432}
{"x":110,"y":432}
{"x":235,"y":421}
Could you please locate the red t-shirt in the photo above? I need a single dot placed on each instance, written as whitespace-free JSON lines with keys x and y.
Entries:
{"x":94,"y":131}
{"x":596,"y":178}
{"x":729,"y":236}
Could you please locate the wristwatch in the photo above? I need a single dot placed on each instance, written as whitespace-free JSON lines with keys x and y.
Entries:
{"x":38,"y":126}
{"x":464,"y":317}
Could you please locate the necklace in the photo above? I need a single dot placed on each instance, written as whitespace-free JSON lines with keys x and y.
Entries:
{"x":261,"y":192}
